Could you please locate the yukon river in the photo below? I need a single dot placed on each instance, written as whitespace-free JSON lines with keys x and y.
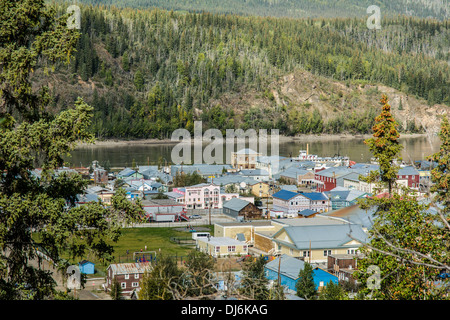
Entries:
{"x":123,"y":154}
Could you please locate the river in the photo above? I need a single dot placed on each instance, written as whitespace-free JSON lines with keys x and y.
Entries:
{"x":123,"y":154}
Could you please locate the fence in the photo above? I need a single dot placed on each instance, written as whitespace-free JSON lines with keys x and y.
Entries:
{"x":145,"y":258}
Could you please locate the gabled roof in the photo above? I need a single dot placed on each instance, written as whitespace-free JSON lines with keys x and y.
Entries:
{"x":334,"y":172}
{"x":126,"y":172}
{"x":307,"y":212}
{"x":235,"y":204}
{"x":315,"y":196}
{"x":347,"y":195}
{"x":246,"y":151}
{"x":127,"y":268}
{"x":322,"y":237}
{"x":289,"y":266}
{"x":254,"y":172}
{"x":285,"y":194}
{"x":408,"y":171}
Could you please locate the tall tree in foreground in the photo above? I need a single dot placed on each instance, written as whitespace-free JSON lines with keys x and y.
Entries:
{"x":305,"y":285}
{"x":385,"y":147}
{"x":410,"y":240}
{"x":254,"y":283}
{"x":38,"y":209}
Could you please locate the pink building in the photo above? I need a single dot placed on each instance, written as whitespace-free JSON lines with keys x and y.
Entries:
{"x":206,"y":195}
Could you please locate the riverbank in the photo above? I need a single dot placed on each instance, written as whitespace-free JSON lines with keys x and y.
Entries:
{"x":282,"y":139}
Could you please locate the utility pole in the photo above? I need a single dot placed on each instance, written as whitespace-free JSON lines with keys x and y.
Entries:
{"x":210,"y":213}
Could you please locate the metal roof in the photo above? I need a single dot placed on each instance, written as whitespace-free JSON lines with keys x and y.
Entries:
{"x":235,"y":204}
{"x":289,"y":266}
{"x":129,"y":268}
{"x":315,"y":196}
{"x":323,"y":237}
{"x":285,"y":194}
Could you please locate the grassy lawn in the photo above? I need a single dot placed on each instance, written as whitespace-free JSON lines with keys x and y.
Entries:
{"x":134,"y":239}
{"x":155,"y":238}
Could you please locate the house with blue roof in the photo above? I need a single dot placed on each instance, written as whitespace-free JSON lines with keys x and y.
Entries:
{"x":293,"y":202}
{"x":287,"y":269}
{"x":128,"y":172}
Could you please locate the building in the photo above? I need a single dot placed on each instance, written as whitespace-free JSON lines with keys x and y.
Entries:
{"x":246,"y":229}
{"x":206,"y":195}
{"x":127,"y":275}
{"x":293,"y":202}
{"x":86,"y":267}
{"x":208,"y":171}
{"x":100,"y":176}
{"x":202,"y":196}
{"x":222,"y":246}
{"x":343,"y":265}
{"x":341,"y":198}
{"x":255,"y":174}
{"x":315,"y":242}
{"x":259,"y":189}
{"x":103,"y":194}
{"x":164,"y":210}
{"x":327,"y":179}
{"x":307,"y":213}
{"x":304,"y":155}
{"x":287,"y":269}
{"x":241,"y":209}
{"x":244,"y":159}
{"x":298,"y":176}
{"x":129,"y":173}
{"x":409,"y":177}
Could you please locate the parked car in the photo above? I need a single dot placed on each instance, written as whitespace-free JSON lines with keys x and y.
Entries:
{"x":195,"y":216}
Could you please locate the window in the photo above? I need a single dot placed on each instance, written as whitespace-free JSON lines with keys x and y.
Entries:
{"x":326,"y":253}
{"x":231,"y":248}
{"x":306,"y":253}
{"x":136,"y":275}
{"x":127,"y":276}
{"x":123,"y":285}
{"x":217,"y":249}
{"x":135,"y":284}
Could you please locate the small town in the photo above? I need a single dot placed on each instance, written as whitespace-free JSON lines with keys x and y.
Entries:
{"x":228,"y":157}
{"x":307,"y":212}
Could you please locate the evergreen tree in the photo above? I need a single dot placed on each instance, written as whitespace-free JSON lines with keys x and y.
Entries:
{"x":385,"y":147}
{"x":332,"y":291}
{"x":305,"y":285}
{"x":139,"y":80}
{"x":125,"y":62}
{"x":40,"y":212}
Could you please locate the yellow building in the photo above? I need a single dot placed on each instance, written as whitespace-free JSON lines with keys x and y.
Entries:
{"x":260,"y":189}
{"x":222,"y":246}
{"x":315,"y":243}
{"x":312,"y":239}
{"x":243,"y":230}
{"x":244,"y":159}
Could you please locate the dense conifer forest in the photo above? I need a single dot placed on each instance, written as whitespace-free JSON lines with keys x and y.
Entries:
{"x":151,"y":71}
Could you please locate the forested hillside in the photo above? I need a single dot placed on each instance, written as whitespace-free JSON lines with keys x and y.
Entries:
{"x":294,"y":8}
{"x":149,"y":72}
